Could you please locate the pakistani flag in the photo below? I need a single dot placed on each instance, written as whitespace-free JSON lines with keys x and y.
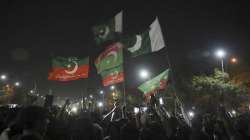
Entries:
{"x":67,"y":69}
{"x":112,"y":76}
{"x":107,"y":31}
{"x":110,"y":58}
{"x":157,"y":83}
{"x":146,"y":42}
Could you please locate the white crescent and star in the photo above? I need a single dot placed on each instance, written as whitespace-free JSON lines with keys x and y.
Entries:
{"x":73,"y":70}
{"x":105,"y":33}
{"x":137,"y":44}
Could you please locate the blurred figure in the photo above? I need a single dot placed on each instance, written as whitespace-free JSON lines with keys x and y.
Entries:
{"x":31,"y":124}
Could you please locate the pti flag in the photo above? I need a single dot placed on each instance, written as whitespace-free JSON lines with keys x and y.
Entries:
{"x":146,"y":42}
{"x":107,"y":31}
{"x":157,"y":83}
{"x":110,"y":58}
{"x":67,"y":69}
{"x":112,"y":76}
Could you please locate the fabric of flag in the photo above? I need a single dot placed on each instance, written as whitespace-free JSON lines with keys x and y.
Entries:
{"x":157,"y":83}
{"x":110,"y":58}
{"x":146,"y":42}
{"x":107,"y":31}
{"x":67,"y":69}
{"x":112,"y":76}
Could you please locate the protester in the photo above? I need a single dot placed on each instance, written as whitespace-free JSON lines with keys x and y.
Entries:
{"x":53,"y":123}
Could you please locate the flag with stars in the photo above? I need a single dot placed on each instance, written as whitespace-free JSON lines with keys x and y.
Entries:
{"x":67,"y":69}
{"x":110,"y":58}
{"x":157,"y":83}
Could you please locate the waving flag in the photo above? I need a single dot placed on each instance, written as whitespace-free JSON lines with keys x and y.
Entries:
{"x":67,"y":69}
{"x":106,"y":31}
{"x":146,"y":42}
{"x":110,"y":58}
{"x":157,"y":83}
{"x":113,"y":76}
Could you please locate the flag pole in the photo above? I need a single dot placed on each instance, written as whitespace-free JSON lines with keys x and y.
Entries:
{"x":124,"y":94}
{"x":175,"y":97}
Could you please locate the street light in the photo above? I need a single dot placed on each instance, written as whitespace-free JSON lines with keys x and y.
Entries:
{"x":91,"y":96}
{"x":221,"y":54}
{"x":191,"y":114}
{"x":17,"y":84}
{"x":144,"y":74}
{"x":234,"y":60}
{"x":3,"y":77}
{"x":101,"y":92}
{"x":100,"y":104}
{"x":112,"y":87}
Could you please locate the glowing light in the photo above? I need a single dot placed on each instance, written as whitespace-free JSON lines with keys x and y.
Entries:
{"x":144,"y":74}
{"x":3,"y":77}
{"x":144,"y":109}
{"x":100,"y":104}
{"x":234,"y":60}
{"x":101,"y":92}
{"x":74,"y":109}
{"x":32,"y":91}
{"x":136,"y":110}
{"x":191,"y":114}
{"x":90,"y":96}
{"x":233,"y":112}
{"x":161,"y":101}
{"x":112,"y":87}
{"x":17,"y":84}
{"x":220,"y":53}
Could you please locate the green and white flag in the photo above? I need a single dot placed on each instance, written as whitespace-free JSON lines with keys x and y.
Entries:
{"x":149,"y":41}
{"x":107,"y":31}
{"x":157,"y":83}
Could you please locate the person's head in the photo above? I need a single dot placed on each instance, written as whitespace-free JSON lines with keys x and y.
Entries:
{"x":33,"y":118}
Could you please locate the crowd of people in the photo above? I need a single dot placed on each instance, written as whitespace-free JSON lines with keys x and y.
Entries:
{"x":120,"y":123}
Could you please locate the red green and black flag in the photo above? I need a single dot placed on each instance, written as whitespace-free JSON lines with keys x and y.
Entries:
{"x":157,"y":83}
{"x":68,"y":69}
{"x":112,"y":76}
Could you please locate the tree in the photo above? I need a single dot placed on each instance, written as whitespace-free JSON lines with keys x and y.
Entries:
{"x":211,"y":90}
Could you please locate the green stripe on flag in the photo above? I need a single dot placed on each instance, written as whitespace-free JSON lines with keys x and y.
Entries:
{"x":155,"y":83}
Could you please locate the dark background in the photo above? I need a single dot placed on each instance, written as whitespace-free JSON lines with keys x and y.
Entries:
{"x":32,"y":32}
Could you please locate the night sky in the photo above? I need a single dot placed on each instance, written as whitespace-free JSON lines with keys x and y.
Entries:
{"x":38,"y":30}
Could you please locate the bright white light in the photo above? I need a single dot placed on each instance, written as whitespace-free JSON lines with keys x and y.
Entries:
{"x":101,"y":92}
{"x":144,"y":74}
{"x":136,"y":110}
{"x":233,"y":112}
{"x":3,"y":77}
{"x":100,"y":104}
{"x":144,"y":109}
{"x":112,"y":87}
{"x":220,"y":53}
{"x":74,"y":109}
{"x":161,"y":101}
{"x":17,"y":84}
{"x":90,"y":96}
{"x":32,"y":91}
{"x":191,"y":114}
